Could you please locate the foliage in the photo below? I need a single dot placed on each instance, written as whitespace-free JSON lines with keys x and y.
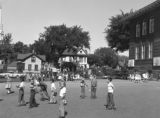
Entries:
{"x":107,"y":56}
{"x":55,"y":39}
{"x":6,"y":49}
{"x":68,"y":65}
{"x":117,"y":33}
{"x":20,"y":47}
{"x":93,"y":60}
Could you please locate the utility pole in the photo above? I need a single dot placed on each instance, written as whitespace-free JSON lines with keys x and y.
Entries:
{"x":1,"y":26}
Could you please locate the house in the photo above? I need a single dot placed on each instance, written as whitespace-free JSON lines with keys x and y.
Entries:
{"x":77,"y":56}
{"x":30,"y":63}
{"x":12,"y":67}
{"x":144,"y":44}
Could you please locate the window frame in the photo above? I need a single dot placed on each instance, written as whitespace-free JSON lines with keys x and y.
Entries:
{"x":144,"y":28}
{"x":36,"y":67}
{"x":142,"y":51}
{"x":33,"y":59}
{"x":138,"y":30}
{"x":136,"y":53}
{"x":151,"y":25}
{"x":29,"y":67}
{"x":150,"y":50}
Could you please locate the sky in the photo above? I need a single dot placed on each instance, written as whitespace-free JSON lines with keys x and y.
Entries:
{"x":26,"y":19}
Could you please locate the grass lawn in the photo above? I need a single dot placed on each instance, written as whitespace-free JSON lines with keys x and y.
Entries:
{"x":132,"y":100}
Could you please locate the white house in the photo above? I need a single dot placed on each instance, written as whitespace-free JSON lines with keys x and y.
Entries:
{"x":30,"y":63}
{"x":76,"y":56}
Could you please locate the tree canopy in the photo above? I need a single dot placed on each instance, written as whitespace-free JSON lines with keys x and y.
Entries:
{"x":55,"y":39}
{"x":117,"y":32}
{"x":107,"y":56}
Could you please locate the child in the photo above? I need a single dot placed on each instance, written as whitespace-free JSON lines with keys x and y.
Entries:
{"x":21,"y":87}
{"x":53,"y":93}
{"x":43,"y":90}
{"x":93,"y":86}
{"x":110,"y":100}
{"x":32,"y":102}
{"x":137,"y":77}
{"x":8,"y":84}
{"x":83,"y":84}
{"x":62,"y":102}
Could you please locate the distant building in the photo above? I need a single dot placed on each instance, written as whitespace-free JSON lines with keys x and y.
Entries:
{"x":77,"y":56}
{"x":144,"y":46}
{"x":30,"y":63}
{"x":12,"y":67}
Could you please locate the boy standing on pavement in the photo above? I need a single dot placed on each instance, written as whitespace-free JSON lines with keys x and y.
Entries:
{"x":83,"y":84}
{"x":32,"y":101}
{"x":62,"y":102}
{"x":53,"y":93}
{"x":21,"y":87}
{"x":110,"y":100}
{"x":93,"y":86}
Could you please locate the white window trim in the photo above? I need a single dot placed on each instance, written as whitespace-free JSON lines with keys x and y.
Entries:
{"x":151,"y":25}
{"x":138,"y":30}
{"x":150,"y":49}
{"x":142,"y":51}
{"x":136,"y":53}
{"x":144,"y":28}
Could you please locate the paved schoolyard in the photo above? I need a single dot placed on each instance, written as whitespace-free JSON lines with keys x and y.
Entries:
{"x":132,"y":100}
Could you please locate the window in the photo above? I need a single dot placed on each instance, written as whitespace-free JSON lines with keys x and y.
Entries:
{"x":85,"y":59}
{"x":29,"y":67}
{"x":36,"y":67}
{"x":33,"y":59}
{"x":136,"y":53}
{"x":142,"y":51}
{"x":151,"y":25}
{"x":131,"y":63}
{"x":138,"y":30}
{"x":150,"y":49}
{"x":81,"y":59}
{"x":144,"y":28}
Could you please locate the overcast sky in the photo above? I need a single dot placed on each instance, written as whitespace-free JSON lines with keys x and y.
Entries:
{"x":26,"y":19}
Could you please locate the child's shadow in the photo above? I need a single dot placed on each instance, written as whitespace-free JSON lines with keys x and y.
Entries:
{"x":1,"y":99}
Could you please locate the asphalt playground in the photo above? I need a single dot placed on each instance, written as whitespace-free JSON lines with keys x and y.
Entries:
{"x":132,"y":100}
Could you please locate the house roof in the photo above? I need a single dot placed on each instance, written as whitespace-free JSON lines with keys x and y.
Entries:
{"x":73,"y":52}
{"x":13,"y":64}
{"x":143,"y":10}
{"x":25,"y":56}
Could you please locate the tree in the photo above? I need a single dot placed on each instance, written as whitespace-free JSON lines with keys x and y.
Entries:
{"x":20,"y":47}
{"x":118,"y":32}
{"x":6,"y":49}
{"x":58,"y":38}
{"x":94,"y":60}
{"x":107,"y":56}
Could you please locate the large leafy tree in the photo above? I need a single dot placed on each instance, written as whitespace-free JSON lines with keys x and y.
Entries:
{"x":94,"y":60}
{"x":6,"y":48}
{"x":58,"y":38}
{"x":117,"y":32}
{"x":20,"y":47}
{"x":107,"y":56}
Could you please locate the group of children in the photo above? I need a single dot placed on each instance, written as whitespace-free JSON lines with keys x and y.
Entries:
{"x":138,"y":77}
{"x":93,"y":86}
{"x":37,"y":85}
{"x":110,"y":104}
